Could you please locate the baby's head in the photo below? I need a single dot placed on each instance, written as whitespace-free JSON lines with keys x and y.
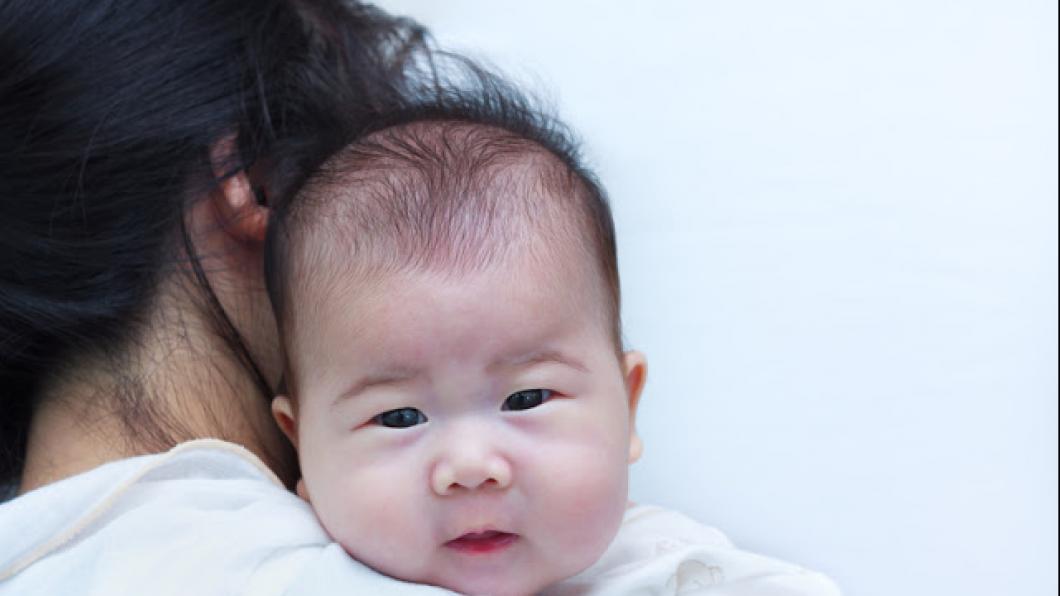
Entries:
{"x":447,"y":293}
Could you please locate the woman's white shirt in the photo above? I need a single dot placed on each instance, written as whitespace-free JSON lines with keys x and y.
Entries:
{"x":206,"y":517}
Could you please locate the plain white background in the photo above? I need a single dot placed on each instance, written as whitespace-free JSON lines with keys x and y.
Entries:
{"x":838,"y":240}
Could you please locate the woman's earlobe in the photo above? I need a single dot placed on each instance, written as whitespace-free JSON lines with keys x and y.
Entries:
{"x":241,"y":213}
{"x":241,"y":207}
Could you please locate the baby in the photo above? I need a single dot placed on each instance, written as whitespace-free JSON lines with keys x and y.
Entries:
{"x":464,"y":412}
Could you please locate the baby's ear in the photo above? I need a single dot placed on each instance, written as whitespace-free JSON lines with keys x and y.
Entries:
{"x":300,"y":490}
{"x":635,"y":371}
{"x":283,"y":412}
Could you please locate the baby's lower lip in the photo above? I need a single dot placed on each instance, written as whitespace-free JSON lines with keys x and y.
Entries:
{"x":482,"y":542}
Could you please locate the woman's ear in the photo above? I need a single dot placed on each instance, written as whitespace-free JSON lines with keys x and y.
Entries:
{"x":283,"y":412}
{"x":635,"y":370}
{"x":234,"y":200}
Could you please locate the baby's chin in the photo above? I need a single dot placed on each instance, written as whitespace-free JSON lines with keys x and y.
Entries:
{"x":505,"y":578}
{"x":507,"y":584}
{"x":511,"y":579}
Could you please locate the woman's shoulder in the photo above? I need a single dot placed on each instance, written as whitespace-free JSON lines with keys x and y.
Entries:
{"x":204,"y":508}
{"x":206,"y":517}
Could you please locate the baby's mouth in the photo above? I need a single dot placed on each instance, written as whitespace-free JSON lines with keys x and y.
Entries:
{"x":489,"y":541}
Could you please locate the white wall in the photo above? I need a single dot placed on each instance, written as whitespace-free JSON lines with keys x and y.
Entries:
{"x":838,"y":241}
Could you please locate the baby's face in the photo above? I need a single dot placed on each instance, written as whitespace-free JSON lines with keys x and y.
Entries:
{"x":472,"y":432}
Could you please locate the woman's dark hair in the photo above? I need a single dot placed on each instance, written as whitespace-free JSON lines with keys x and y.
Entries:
{"x":108,"y":111}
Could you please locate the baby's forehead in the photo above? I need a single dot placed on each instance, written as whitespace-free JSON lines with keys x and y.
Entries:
{"x":391,"y":315}
{"x":374,"y":301}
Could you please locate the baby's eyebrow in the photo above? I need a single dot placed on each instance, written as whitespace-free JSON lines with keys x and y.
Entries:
{"x":541,"y":357}
{"x":392,"y":377}
{"x":397,"y":376}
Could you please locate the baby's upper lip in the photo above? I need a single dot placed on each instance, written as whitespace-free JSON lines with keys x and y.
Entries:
{"x":482,"y":541}
{"x":478,"y":532}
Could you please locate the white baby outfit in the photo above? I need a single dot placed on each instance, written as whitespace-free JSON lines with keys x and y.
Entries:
{"x":662,"y":552}
{"x":207,"y":517}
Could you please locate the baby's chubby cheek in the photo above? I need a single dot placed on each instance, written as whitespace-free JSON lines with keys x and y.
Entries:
{"x":580,"y":500}
{"x":373,"y":512}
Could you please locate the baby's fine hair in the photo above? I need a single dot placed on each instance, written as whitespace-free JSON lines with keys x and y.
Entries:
{"x":461,"y":173}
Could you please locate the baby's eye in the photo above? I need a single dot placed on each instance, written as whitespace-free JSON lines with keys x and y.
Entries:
{"x":400,"y":418}
{"x":524,"y":400}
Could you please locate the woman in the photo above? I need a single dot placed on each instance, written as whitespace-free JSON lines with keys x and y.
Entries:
{"x":139,"y":143}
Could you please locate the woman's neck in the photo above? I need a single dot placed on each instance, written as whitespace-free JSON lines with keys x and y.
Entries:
{"x":77,"y":428}
{"x":63,"y":442}
{"x":181,"y":383}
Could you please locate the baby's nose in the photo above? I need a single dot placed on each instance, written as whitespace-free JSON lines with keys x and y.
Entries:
{"x":462,"y":473}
